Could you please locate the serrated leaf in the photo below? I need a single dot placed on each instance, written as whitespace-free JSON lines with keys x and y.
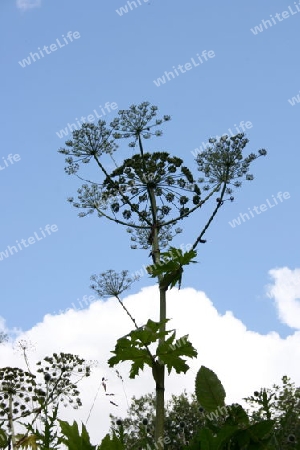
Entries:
{"x":172,"y":357}
{"x":73,"y":439}
{"x":261,"y":430}
{"x":132,"y":347}
{"x":25,"y":442}
{"x":171,"y":266}
{"x":224,"y":436}
{"x":209,"y":389}
{"x":109,"y":443}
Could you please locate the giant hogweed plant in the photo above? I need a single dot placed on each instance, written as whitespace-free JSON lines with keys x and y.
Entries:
{"x":151,"y":193}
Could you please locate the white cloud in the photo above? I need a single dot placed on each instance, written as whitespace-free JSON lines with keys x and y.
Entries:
{"x":286,"y":294}
{"x":24,"y":5}
{"x":244,"y":360}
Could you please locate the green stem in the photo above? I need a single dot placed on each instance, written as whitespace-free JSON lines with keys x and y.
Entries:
{"x":220,"y":202}
{"x":158,"y":368}
{"x":136,"y":326}
{"x":169,"y":222}
{"x":11,"y":422}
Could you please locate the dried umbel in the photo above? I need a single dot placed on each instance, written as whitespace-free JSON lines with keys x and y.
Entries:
{"x":91,"y":141}
{"x":61,"y":373}
{"x":137,"y":121}
{"x":142,"y":180}
{"x":17,"y":393}
{"x":151,"y":192}
{"x":223,"y":162}
{"x":111,"y":283}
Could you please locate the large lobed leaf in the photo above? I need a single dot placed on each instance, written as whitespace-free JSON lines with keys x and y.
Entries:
{"x":134,"y":347}
{"x":73,"y":439}
{"x":171,"y":353}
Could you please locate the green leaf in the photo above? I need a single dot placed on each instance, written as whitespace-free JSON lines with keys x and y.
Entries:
{"x":206,"y":439}
{"x":237,"y":415}
{"x":171,"y":355}
{"x":224,"y":436}
{"x":170,"y":268}
{"x":73,"y":439}
{"x":132,"y":347}
{"x":3,"y":439}
{"x":261,"y":430}
{"x":209,"y":389}
{"x":109,"y":443}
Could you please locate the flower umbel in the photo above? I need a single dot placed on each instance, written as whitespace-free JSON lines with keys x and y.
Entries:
{"x":110,"y":283}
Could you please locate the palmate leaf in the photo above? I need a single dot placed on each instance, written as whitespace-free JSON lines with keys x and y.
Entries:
{"x":171,"y":353}
{"x":111,"y":443}
{"x":171,"y":267}
{"x":132,"y":347}
{"x":73,"y":439}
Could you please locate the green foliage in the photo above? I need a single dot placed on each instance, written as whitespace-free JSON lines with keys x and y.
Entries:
{"x":170,"y":353}
{"x":135,"y":347}
{"x":229,"y":427}
{"x":46,"y":436}
{"x":73,"y":439}
{"x":209,"y":389}
{"x":233,"y":437}
{"x":182,"y":420}
{"x":37,"y":397}
{"x":28,"y":442}
{"x":3,"y":439}
{"x":170,"y":268}
{"x":281,"y":404}
{"x":111,"y":443}
{"x":233,"y":430}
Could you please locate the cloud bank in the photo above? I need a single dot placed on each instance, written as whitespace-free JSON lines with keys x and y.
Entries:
{"x":286,"y":294}
{"x":243,"y":359}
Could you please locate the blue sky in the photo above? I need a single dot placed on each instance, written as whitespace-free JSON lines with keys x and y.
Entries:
{"x":116,"y":59}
